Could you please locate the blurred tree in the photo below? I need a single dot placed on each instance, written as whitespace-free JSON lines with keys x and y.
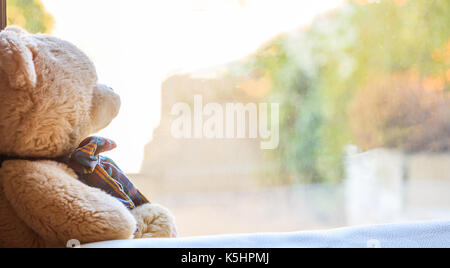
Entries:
{"x":31,"y":15}
{"x":400,"y":112}
{"x":317,"y":72}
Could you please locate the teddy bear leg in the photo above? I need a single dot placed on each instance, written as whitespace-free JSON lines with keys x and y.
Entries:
{"x":48,"y":197}
{"x":154,"y":221}
{"x":14,"y":233}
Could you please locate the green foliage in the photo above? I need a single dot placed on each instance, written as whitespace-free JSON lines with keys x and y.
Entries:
{"x":317,"y":72}
{"x":30,"y":15}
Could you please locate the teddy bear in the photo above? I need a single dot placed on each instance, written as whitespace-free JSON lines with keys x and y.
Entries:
{"x":50,"y":101}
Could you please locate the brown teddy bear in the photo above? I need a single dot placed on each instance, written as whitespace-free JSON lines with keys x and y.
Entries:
{"x":50,"y":102}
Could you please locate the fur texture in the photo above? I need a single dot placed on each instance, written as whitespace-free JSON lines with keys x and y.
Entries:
{"x":49,"y":101}
{"x":154,"y":221}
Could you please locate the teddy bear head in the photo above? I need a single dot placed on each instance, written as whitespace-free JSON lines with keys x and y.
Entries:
{"x":49,"y":96}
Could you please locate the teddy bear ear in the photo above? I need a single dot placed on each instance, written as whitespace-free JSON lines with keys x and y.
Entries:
{"x":16,"y":60}
{"x":16,"y":29}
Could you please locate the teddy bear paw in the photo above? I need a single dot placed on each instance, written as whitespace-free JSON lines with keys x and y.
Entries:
{"x":154,"y":221}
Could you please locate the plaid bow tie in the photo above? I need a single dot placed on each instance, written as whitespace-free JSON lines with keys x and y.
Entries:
{"x":101,"y":172}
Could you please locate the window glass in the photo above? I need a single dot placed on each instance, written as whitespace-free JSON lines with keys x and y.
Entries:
{"x":272,"y":115}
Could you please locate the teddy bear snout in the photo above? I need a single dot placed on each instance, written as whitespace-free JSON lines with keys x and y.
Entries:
{"x":105,"y":107}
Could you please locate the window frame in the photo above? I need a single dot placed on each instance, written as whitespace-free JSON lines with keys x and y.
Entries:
{"x":3,"y":16}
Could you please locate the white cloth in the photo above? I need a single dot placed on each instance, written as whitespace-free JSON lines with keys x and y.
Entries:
{"x":418,"y":235}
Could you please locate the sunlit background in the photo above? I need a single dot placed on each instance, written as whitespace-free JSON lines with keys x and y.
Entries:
{"x":138,"y":44}
{"x":363,"y":87}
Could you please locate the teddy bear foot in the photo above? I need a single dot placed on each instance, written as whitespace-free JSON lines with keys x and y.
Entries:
{"x":154,"y":221}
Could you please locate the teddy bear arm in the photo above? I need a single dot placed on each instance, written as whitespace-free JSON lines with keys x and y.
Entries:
{"x":48,"y":197}
{"x":154,"y":221}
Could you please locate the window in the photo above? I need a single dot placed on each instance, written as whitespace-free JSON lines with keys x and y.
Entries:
{"x":3,"y":14}
{"x":272,"y":115}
